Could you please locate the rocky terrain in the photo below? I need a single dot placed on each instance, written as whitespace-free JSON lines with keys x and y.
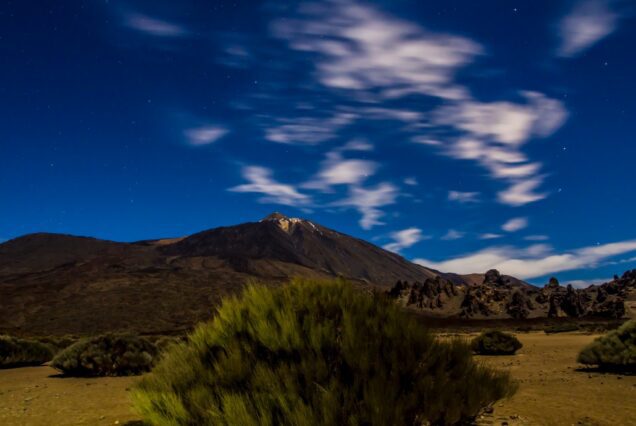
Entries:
{"x":53,"y":284}
{"x":498,"y":296}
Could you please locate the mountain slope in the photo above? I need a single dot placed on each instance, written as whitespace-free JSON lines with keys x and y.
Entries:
{"x":57,"y":284}
{"x":301,"y":242}
{"x":60,"y":284}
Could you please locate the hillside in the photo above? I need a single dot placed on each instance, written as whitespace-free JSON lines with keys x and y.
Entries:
{"x":60,"y":284}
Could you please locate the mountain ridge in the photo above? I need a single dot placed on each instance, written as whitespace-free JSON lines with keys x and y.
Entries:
{"x":59,"y":284}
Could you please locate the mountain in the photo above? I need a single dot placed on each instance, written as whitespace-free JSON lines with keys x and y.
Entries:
{"x":61,"y":284}
{"x":57,"y":284}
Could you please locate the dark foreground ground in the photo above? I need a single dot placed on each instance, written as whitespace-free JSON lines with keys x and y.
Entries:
{"x":552,"y":391}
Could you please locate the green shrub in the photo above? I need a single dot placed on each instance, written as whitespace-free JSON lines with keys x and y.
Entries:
{"x":16,"y":352}
{"x":561,"y":328}
{"x":107,"y":355}
{"x":614,"y":351}
{"x":315,"y":353}
{"x":57,"y":343}
{"x":163,"y":343}
{"x":495,"y":343}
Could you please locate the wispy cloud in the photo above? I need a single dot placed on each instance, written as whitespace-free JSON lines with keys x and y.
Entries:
{"x":453,"y":234}
{"x":522,"y":192}
{"x":153,"y":26}
{"x":489,"y":236}
{"x":493,"y":134}
{"x":587,"y":283}
{"x":339,"y":171}
{"x":463,"y":197}
{"x":261,"y":181}
{"x":516,"y":224}
{"x":536,"y":238}
{"x":533,"y":261}
{"x":362,"y":49}
{"x":587,"y":23}
{"x":368,"y":202}
{"x":405,"y":238}
{"x":204,"y":135}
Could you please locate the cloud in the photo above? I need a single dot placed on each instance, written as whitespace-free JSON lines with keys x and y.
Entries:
{"x":357,"y":145}
{"x":261,"y":181}
{"x":339,"y":171}
{"x":405,"y":238}
{"x":493,"y":133}
{"x":368,"y":200}
{"x":362,"y":49}
{"x":505,"y":122}
{"x":489,"y":236}
{"x":424,"y":140}
{"x":589,"y":22}
{"x":453,"y":234}
{"x":153,"y":26}
{"x":204,"y":135}
{"x":531,"y":262}
{"x":587,"y":283}
{"x":522,"y":192}
{"x":463,"y":197}
{"x":307,"y":130}
{"x":516,"y":224}
{"x":536,"y":238}
{"x":411,"y":181}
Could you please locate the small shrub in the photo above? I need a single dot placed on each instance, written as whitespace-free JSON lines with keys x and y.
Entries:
{"x":57,"y":344}
{"x":614,"y":351}
{"x":107,"y":355}
{"x":315,"y":353}
{"x":495,"y":343}
{"x":16,"y":352}
{"x":561,"y":328}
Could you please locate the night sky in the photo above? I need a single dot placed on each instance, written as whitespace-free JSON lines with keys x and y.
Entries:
{"x":464,"y":135}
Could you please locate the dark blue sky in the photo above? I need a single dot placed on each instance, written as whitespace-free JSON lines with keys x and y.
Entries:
{"x":465,"y":135}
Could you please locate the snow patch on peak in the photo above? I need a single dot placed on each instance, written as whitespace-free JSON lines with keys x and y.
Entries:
{"x":286,"y":223}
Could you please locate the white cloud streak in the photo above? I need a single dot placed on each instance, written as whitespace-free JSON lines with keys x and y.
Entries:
{"x":531,"y":262}
{"x":404,"y":238}
{"x":453,"y":234}
{"x":463,"y":197}
{"x":204,"y":135}
{"x":153,"y":26}
{"x":368,"y":202}
{"x":589,"y":22}
{"x":516,"y":224}
{"x":261,"y":182}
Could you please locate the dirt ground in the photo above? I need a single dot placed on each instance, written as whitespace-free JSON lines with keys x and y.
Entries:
{"x":35,"y":396}
{"x":551,"y":391}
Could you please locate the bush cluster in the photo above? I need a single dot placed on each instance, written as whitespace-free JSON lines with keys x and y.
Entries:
{"x":614,"y":351}
{"x":16,"y":352}
{"x":495,"y":343}
{"x":316,"y":353}
{"x":107,"y":355}
{"x":561,"y":328}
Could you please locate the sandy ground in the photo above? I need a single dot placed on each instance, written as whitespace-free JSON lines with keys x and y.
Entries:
{"x":35,"y":396}
{"x":551,"y":392}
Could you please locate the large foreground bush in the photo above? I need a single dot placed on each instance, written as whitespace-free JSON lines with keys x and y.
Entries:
{"x":614,"y":351}
{"x":19,"y":352}
{"x":315,"y":353}
{"x":107,"y":355}
{"x":495,"y":343}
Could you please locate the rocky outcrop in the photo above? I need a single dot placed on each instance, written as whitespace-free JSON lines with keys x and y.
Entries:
{"x":499,"y":297}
